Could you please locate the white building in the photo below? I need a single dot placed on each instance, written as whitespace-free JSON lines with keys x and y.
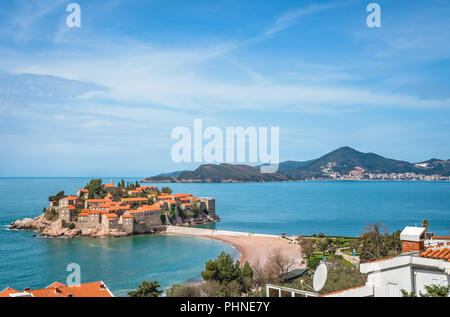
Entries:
{"x":422,"y":262}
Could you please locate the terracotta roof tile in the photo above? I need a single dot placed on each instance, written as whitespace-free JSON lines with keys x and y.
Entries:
{"x":8,"y":291}
{"x":94,"y":289}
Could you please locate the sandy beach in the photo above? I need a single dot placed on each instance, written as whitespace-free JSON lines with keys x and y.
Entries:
{"x":253,"y":248}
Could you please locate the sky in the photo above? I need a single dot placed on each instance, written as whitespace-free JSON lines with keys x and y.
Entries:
{"x":102,"y":99}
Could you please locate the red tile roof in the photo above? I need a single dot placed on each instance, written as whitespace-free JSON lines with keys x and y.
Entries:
{"x":94,"y":289}
{"x":437,"y":252}
{"x":98,"y":200}
{"x":134,"y":199}
{"x":8,"y":291}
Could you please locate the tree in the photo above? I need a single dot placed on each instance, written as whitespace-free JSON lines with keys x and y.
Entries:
{"x":166,"y":190}
{"x":375,"y":245}
{"x":51,"y":214}
{"x":232,"y":289}
{"x":281,"y":263}
{"x":324,"y":244}
{"x":307,"y":247}
{"x":273,"y":270}
{"x":223,"y":269}
{"x":210,"y":288}
{"x":247,"y":270}
{"x":95,"y":188}
{"x":425,"y":224}
{"x":147,"y":289}
{"x":56,"y":197}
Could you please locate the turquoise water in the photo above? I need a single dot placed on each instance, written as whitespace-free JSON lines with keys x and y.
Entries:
{"x":339,"y":208}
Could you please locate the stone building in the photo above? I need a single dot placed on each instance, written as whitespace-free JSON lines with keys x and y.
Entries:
{"x":68,"y":213}
{"x":210,"y":205}
{"x":69,"y":200}
{"x":127,"y":223}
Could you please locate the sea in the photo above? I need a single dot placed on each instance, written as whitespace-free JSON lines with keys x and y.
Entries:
{"x":341,"y":208}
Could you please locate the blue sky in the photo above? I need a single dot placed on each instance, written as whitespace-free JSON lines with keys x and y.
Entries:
{"x":104,"y":98}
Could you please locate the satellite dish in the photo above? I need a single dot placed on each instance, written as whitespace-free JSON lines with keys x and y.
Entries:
{"x":320,"y":277}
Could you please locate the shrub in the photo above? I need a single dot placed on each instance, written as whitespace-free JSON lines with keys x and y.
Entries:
{"x":166,"y":190}
{"x":177,"y":290}
{"x":51,"y":214}
{"x":147,"y":289}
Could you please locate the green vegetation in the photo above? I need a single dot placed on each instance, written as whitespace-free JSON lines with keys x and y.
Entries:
{"x":172,"y":216}
{"x":431,"y":291}
{"x":195,"y":211}
{"x":95,"y":189}
{"x":166,"y":190}
{"x":320,"y":246}
{"x":57,"y":197}
{"x":147,"y":289}
{"x":207,"y":289}
{"x":374,"y":245}
{"x":340,"y":276}
{"x":223,"y":277}
{"x":163,"y":219}
{"x":50,"y":214}
{"x":218,"y":173}
{"x":182,"y":214}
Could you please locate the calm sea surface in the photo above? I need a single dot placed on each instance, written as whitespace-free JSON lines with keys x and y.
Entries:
{"x":338,"y":208}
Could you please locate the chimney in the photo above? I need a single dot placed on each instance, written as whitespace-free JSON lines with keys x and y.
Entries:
{"x":413,"y":239}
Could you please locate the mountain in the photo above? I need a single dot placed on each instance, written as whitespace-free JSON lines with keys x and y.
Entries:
{"x":210,"y":173}
{"x":434,"y":166}
{"x":293,"y":165}
{"x":172,"y":174}
{"x":338,"y":163}
{"x":346,"y":159}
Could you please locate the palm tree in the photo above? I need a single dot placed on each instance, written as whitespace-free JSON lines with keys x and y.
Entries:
{"x":425,"y":224}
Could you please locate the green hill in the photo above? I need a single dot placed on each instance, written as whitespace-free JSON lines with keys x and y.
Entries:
{"x":342,"y":160}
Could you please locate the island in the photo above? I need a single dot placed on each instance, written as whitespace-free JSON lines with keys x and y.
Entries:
{"x":108,"y":210}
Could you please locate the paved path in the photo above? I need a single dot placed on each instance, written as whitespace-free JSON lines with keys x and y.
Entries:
{"x":352,"y":259}
{"x":213,"y":232}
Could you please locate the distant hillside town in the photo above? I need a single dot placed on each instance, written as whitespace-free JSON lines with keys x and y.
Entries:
{"x":109,"y":210}
{"x":359,"y":173}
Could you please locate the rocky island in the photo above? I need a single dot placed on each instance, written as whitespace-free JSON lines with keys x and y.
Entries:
{"x":107,"y":210}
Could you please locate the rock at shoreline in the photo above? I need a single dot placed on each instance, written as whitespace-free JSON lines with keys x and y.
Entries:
{"x":48,"y":228}
{"x":39,"y":223}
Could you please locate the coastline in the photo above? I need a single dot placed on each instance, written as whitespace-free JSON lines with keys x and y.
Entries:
{"x":253,"y":248}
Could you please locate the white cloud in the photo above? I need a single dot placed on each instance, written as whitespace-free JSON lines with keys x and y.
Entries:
{"x":288,"y":19}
